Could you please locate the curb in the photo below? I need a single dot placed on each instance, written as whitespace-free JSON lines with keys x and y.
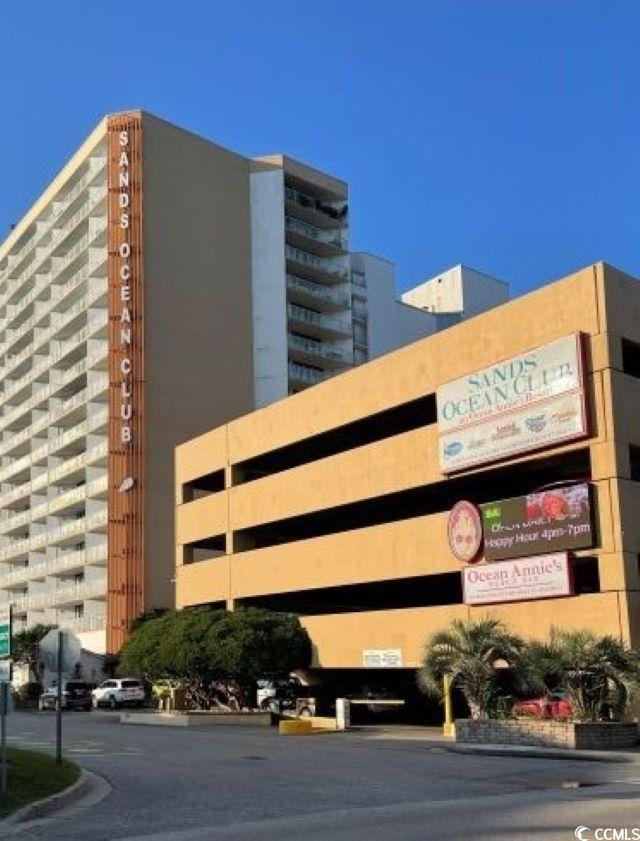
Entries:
{"x":55,"y":802}
{"x":542,"y":753}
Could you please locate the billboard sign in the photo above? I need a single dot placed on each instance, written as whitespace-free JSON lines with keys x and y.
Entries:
{"x":524,"y":403}
{"x":539,"y":523}
{"x":520,"y":579}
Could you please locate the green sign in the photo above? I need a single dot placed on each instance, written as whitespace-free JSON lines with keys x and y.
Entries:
{"x":5,"y":633}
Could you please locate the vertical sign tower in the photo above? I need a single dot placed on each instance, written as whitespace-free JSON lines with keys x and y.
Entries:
{"x":125,"y":576}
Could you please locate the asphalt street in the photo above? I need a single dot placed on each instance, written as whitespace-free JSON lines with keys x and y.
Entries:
{"x":249,"y":783}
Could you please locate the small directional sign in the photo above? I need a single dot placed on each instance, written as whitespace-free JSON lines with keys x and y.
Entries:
{"x":5,"y":632}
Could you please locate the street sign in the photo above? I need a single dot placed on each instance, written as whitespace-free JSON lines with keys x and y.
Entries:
{"x":5,"y":632}
{"x":71,"y":650}
{"x":5,"y":679}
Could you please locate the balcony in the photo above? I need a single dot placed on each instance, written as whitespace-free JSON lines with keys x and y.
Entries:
{"x":14,"y":549}
{"x":58,"y":293}
{"x":79,"y":399}
{"x":70,"y":465}
{"x":303,"y":376}
{"x":317,"y":268}
{"x":96,"y":555}
{"x":75,"y":527}
{"x":44,"y":253}
{"x":17,"y":548}
{"x":79,"y":624}
{"x":38,"y":397}
{"x":319,"y":323}
{"x":45,"y":224}
{"x":66,"y":594}
{"x":318,"y":352}
{"x":316,"y":294}
{"x":324,"y":242}
{"x":326,"y":214}
{"x":78,"y":462}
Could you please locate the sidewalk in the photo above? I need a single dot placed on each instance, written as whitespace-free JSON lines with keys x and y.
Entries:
{"x":530,"y":751}
{"x":432,"y":737}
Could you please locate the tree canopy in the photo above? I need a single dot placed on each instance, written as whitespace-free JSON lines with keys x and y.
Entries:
{"x":473,"y":654}
{"x":203,"y":646}
{"x":25,"y":647}
{"x":599,"y":674}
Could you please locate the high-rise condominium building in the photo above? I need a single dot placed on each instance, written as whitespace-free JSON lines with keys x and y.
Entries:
{"x":161,"y":285}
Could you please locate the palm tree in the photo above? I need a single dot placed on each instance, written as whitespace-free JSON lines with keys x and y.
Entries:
{"x":599,"y":674}
{"x":473,"y":653}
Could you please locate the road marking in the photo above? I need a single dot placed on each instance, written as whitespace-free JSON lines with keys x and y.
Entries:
{"x":73,"y":746}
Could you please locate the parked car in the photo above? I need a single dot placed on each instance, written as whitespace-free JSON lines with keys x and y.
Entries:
{"x":555,"y":705}
{"x":76,"y":695}
{"x":118,"y":692}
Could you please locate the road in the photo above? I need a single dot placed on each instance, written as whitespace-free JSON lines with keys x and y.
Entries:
{"x":178,"y":784}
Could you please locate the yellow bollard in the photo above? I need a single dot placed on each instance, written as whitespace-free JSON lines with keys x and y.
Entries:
{"x":449,"y":727}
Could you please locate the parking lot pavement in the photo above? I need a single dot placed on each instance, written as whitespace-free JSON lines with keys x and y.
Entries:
{"x":181,"y":783}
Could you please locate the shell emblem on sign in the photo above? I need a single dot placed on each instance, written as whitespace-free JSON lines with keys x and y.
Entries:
{"x":465,"y":531}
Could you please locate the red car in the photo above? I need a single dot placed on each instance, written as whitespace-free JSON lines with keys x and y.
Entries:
{"x":555,"y":705}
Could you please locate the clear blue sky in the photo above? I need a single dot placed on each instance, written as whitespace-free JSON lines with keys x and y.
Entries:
{"x":504,"y":134}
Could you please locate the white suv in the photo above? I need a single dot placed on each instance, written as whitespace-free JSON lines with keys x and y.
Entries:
{"x":118,"y":692}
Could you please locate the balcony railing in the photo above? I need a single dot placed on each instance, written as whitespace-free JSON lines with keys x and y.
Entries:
{"x":66,"y":201}
{"x":55,"y":566}
{"x":327,"y":266}
{"x":60,"y":236}
{"x":39,"y":541}
{"x":302,"y":374}
{"x":77,"y":462}
{"x":318,"y":349}
{"x":319,"y":319}
{"x":335,"y":211}
{"x":318,"y":291}
{"x":334,"y":238}
{"x":58,"y":293}
{"x":83,"y":623}
{"x":61,"y":595}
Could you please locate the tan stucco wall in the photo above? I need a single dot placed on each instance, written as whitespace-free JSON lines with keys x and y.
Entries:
{"x":417,"y":546}
{"x":198,"y":336}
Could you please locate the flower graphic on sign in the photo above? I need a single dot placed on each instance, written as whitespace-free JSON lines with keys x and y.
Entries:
{"x":465,"y":531}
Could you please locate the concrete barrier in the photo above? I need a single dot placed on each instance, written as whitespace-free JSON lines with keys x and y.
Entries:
{"x":295,"y":727}
{"x":308,"y":726}
{"x":203,"y":718}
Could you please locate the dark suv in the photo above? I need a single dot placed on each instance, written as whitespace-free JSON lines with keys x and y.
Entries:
{"x":76,"y":695}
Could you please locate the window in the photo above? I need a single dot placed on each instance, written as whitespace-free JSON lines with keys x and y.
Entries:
{"x":634,"y":462}
{"x":586,"y":576}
